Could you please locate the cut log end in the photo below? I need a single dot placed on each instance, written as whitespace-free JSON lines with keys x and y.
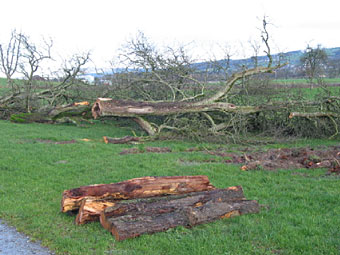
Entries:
{"x":81,"y":103}
{"x":95,"y":110}
{"x":90,"y":210}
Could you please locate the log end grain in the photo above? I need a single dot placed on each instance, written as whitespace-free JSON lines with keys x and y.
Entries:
{"x":90,"y":210}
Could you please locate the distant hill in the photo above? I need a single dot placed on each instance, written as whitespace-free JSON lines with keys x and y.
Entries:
{"x":292,"y":70}
{"x":292,"y":57}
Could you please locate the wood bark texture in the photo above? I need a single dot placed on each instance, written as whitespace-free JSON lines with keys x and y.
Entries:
{"x":90,"y":209}
{"x":121,"y":108}
{"x":128,"y":220}
{"x":135,"y":188}
{"x":125,"y":139}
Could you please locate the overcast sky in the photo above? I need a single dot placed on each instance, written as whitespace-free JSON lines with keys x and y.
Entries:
{"x":103,"y":25}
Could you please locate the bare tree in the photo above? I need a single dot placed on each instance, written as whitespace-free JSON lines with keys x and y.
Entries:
{"x":10,"y":57}
{"x":159,"y":74}
{"x":255,"y":45}
{"x":63,"y":92}
{"x":34,"y":93}
{"x":32,"y":56}
{"x":313,"y":61}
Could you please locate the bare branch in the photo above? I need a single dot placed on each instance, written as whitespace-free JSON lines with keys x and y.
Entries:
{"x":265,"y":39}
{"x":10,"y":57}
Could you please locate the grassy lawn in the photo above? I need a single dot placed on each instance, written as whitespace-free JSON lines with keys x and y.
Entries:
{"x":301,"y":213}
{"x":304,"y":81}
{"x":315,"y":93}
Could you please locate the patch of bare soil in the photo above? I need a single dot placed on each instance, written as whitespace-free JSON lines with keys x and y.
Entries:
{"x":147,"y":149}
{"x":287,"y":158}
{"x":56,"y":142}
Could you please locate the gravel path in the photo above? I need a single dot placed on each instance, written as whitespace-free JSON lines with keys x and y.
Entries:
{"x":14,"y":243}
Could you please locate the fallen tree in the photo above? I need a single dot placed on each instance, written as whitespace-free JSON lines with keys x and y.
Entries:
{"x":137,"y":110}
{"x":42,"y":97}
{"x":170,"y":78}
{"x":166,"y":91}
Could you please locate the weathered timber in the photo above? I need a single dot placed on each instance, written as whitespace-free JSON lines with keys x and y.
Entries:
{"x":125,"y":139}
{"x":137,"y":218}
{"x":90,"y":209}
{"x":121,"y":108}
{"x":80,"y":109}
{"x":135,"y":188}
{"x":313,"y":114}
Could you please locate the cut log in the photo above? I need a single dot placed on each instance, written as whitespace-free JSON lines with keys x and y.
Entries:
{"x":90,"y":209}
{"x":137,"y":218}
{"x":125,"y":139}
{"x":135,"y":188}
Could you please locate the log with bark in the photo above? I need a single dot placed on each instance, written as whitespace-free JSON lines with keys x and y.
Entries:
{"x":135,"y":188}
{"x":57,"y":114}
{"x":90,"y":209}
{"x":313,"y":114}
{"x":154,"y":215}
{"x":125,"y":139}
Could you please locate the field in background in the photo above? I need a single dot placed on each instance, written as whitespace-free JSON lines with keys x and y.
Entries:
{"x":300,"y":213}
{"x":304,"y":81}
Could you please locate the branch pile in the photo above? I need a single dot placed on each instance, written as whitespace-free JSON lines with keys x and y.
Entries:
{"x":153,"y":204}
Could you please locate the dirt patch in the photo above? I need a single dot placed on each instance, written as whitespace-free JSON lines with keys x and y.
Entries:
{"x":287,"y":158}
{"x":198,"y":161}
{"x":147,"y":149}
{"x":334,"y":170}
{"x":56,"y":142}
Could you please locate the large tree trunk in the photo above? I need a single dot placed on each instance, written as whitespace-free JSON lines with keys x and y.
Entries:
{"x":57,"y":114}
{"x":155,"y":215}
{"x":109,"y":107}
{"x":135,"y":188}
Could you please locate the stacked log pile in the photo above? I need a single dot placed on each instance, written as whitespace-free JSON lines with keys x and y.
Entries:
{"x":152,"y":204}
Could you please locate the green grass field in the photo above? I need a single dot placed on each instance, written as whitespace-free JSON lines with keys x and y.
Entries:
{"x":301,"y":213}
{"x":302,"y":81}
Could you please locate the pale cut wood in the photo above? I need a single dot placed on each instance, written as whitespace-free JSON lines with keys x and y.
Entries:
{"x":125,"y":139}
{"x":90,"y":210}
